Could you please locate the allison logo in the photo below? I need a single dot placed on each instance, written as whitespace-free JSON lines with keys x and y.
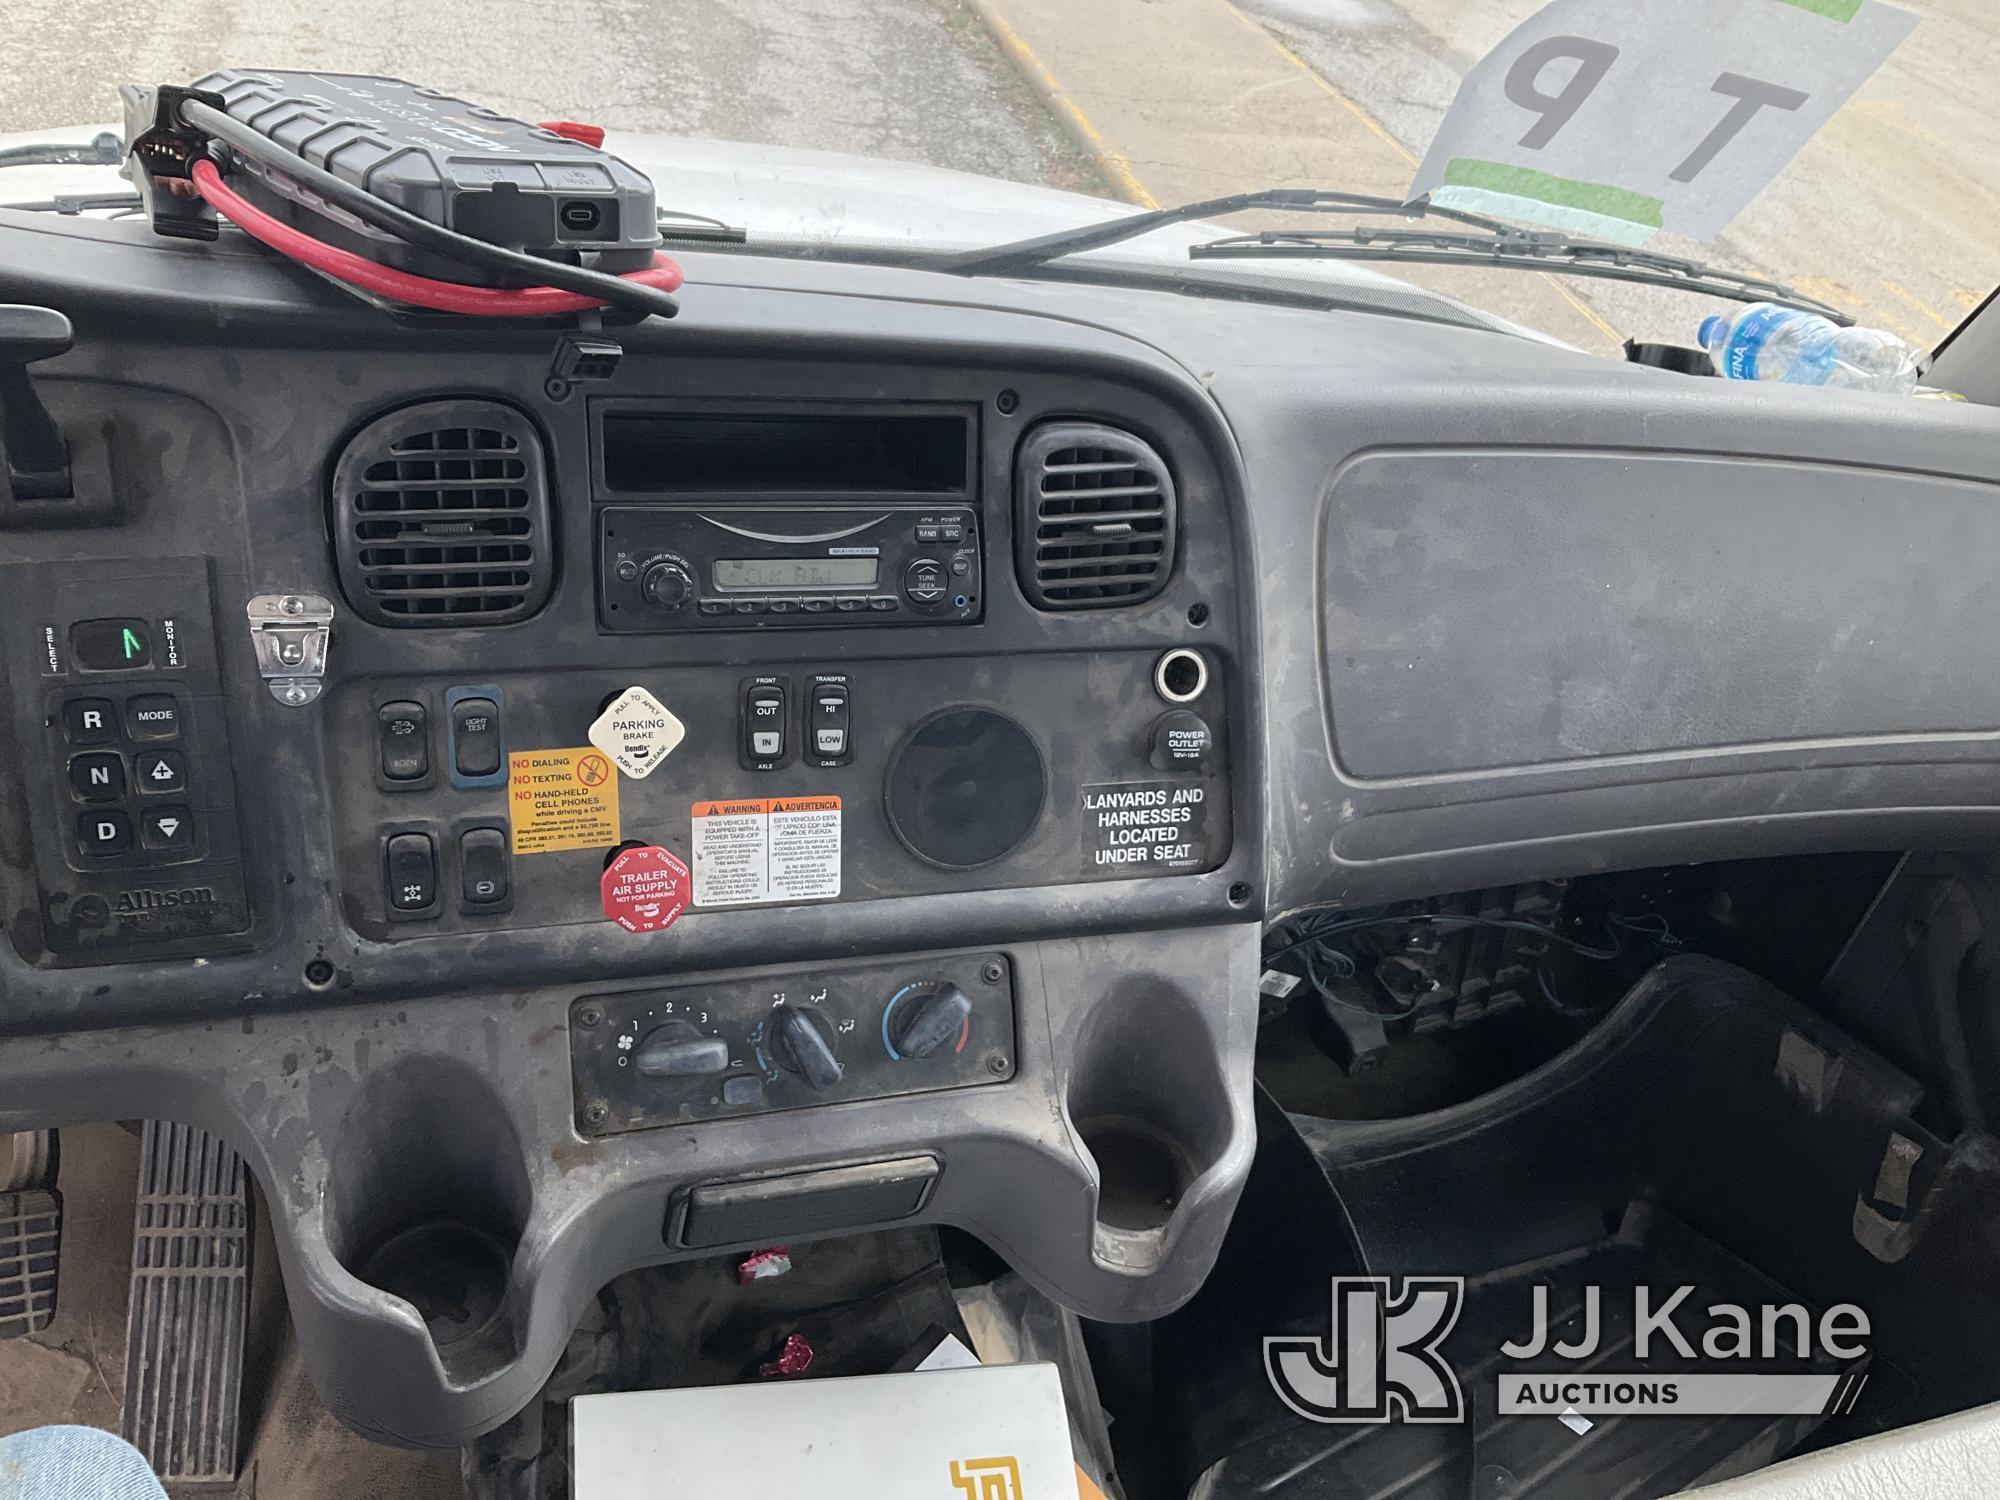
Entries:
{"x":132,"y":903}
{"x":1381,"y":1361}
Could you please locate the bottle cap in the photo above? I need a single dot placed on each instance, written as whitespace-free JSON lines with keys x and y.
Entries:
{"x":1711,"y":329}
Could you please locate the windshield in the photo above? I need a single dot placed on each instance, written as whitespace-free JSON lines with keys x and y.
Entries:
{"x":1885,"y":213}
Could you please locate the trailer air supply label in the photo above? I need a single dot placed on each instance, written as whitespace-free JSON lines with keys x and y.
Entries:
{"x":562,"y":799}
{"x":1140,"y":826}
{"x":766,"y":849}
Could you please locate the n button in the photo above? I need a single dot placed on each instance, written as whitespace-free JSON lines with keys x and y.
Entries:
{"x":159,"y":771}
{"x":98,"y":776}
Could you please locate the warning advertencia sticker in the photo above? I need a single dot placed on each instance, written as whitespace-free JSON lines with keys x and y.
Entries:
{"x":766,"y":849}
{"x":562,"y":799}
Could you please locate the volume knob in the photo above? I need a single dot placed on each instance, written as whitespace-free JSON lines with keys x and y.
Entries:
{"x":667,"y":584}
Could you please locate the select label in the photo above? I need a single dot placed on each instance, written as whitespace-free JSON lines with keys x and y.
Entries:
{"x":1136,"y":827}
{"x":766,"y":849}
{"x":562,"y":799}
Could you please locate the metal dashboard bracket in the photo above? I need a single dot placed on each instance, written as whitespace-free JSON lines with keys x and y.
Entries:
{"x":289,"y":633}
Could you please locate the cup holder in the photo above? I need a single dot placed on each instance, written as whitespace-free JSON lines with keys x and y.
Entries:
{"x":1151,"y":1111}
{"x":427,"y":1198}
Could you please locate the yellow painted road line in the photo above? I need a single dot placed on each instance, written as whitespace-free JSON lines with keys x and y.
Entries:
{"x":1376,"y":128}
{"x":1114,"y":166}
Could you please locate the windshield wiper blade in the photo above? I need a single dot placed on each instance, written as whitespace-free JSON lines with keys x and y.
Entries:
{"x":77,"y":204}
{"x":102,"y":150}
{"x":1518,"y":249}
{"x":1025,"y":255}
{"x":1500,"y":244}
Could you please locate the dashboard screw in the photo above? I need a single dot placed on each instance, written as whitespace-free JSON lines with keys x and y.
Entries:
{"x":1008,"y":402}
{"x":590,"y":1015}
{"x":997,"y":1066}
{"x":595,"y":1114}
{"x":993,"y":973}
{"x":555,"y":389}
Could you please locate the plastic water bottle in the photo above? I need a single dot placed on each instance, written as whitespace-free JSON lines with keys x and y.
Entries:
{"x":1768,"y":342}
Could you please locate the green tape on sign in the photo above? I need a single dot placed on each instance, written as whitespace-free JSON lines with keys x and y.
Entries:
{"x":1833,"y":10}
{"x":1564,"y":192}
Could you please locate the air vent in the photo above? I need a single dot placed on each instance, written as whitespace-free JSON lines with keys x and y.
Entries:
{"x":1094,"y":517}
{"x":441,"y":516}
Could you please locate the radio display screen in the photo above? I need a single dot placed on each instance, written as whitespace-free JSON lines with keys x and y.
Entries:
{"x":739,"y":574}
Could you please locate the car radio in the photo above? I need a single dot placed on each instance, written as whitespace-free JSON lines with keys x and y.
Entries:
{"x":732,"y":567}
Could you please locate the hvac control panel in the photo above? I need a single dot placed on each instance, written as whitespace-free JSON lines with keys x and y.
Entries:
{"x":132,"y":799}
{"x":716,"y":1051}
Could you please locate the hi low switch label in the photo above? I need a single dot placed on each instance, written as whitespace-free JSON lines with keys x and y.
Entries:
{"x":766,"y":849}
{"x":1139,"y":826}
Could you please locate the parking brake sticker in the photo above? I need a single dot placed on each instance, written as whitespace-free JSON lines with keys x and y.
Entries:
{"x":562,"y":799}
{"x":766,"y":849}
{"x":637,"y":731}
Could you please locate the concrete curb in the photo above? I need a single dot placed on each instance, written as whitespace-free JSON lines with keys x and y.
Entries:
{"x":1116,"y":169}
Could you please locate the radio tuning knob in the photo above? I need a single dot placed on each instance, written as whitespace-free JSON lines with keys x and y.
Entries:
{"x":667,"y":584}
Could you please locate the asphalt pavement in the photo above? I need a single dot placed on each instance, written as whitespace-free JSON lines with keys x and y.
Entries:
{"x":913,"y":80}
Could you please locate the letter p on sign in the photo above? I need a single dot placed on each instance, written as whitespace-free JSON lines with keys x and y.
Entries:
{"x":1616,"y":120}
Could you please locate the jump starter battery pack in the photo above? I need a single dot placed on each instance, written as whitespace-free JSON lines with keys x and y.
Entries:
{"x":457,"y":164}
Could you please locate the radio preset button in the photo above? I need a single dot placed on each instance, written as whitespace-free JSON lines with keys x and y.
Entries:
{"x":817,"y":604}
{"x":782,"y":606}
{"x":850,"y":604}
{"x":749,"y":606}
{"x":883,"y":602}
{"x":714,"y":606}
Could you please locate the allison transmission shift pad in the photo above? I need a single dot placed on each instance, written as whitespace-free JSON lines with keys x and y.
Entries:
{"x":989,"y":1432}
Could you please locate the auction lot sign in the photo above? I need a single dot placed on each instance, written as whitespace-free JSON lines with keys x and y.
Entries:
{"x":1619,"y":118}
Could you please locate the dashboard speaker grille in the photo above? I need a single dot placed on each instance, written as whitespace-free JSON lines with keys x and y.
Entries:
{"x":441,"y":516}
{"x":1094,"y":522}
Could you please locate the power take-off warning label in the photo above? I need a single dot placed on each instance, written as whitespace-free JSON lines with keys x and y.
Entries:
{"x":766,"y":849}
{"x":1136,"y":827}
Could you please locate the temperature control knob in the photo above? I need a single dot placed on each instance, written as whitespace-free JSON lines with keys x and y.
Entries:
{"x":677,"y":1050}
{"x":667,"y":584}
{"x":800,"y":1046}
{"x":927,"y":1019}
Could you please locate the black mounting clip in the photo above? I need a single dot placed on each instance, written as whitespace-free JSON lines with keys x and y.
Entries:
{"x":163,"y":151}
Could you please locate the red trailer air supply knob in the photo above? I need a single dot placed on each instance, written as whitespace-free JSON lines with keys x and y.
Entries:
{"x":645,"y":888}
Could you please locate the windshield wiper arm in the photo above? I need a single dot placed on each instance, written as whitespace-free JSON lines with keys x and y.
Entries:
{"x":102,"y":150}
{"x":1517,"y":249}
{"x":1025,"y":255}
{"x":1500,"y":244}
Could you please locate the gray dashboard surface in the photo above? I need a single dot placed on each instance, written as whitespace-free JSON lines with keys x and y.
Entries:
{"x":1487,"y":608}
